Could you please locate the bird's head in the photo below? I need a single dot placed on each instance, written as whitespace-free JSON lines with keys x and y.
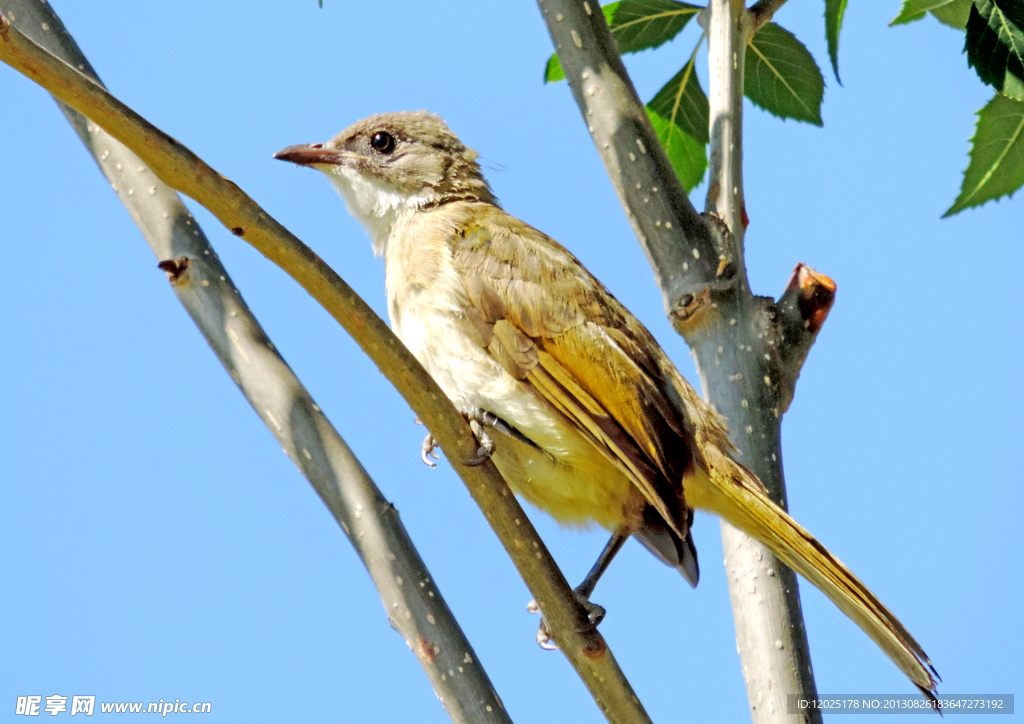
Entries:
{"x":393,"y":163}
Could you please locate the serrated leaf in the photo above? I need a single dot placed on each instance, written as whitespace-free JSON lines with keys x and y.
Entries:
{"x":954,"y":14}
{"x":834,"y":11}
{"x":995,"y":44}
{"x":642,"y":24}
{"x":682,"y":102}
{"x":951,"y":12}
{"x":997,"y":154}
{"x":916,"y":9}
{"x":637,"y":25}
{"x":689,"y":159}
{"x":781,"y":76}
{"x":681,"y":118}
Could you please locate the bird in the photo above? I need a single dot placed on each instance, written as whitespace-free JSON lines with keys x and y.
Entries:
{"x":568,"y":393}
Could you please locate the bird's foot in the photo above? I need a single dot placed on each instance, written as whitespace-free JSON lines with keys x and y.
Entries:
{"x":544,"y":638}
{"x":477,"y":421}
{"x":595,"y":612}
{"x":427,"y":448}
{"x":427,"y":451}
{"x":595,"y":615}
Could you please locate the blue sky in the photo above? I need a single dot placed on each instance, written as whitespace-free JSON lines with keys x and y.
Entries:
{"x":158,"y":544}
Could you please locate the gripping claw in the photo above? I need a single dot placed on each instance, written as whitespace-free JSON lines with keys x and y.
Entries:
{"x":427,"y":451}
{"x":477,"y":422}
{"x":544,"y":639}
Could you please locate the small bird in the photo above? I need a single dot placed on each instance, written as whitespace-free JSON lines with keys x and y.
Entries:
{"x":581,"y":411}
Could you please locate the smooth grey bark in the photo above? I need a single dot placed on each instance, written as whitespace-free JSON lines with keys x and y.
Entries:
{"x":415,"y":607}
{"x":748,"y":349}
{"x":739,"y":360}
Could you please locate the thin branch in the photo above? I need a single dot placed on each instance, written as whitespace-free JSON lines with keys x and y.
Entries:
{"x":418,"y":612}
{"x":727,"y":31}
{"x":182,"y":170}
{"x":763,"y":11}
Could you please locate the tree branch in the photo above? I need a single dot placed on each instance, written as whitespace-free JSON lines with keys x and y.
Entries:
{"x":748,"y":349}
{"x":683,"y":250}
{"x":763,"y":11}
{"x":728,"y":27}
{"x":740,"y":357}
{"x":418,"y":612}
{"x":802,"y":310}
{"x":182,"y":170}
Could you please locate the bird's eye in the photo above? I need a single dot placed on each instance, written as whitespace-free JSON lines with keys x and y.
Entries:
{"x":383,"y":142}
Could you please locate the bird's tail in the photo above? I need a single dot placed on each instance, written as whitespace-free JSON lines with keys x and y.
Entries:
{"x":732,"y":492}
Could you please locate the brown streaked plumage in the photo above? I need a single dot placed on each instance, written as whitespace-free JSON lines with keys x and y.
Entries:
{"x":592,"y":421}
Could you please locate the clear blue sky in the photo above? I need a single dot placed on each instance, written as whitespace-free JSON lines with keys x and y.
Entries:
{"x":156,"y":543}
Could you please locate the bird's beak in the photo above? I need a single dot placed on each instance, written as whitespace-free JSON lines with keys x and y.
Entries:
{"x":310,"y":154}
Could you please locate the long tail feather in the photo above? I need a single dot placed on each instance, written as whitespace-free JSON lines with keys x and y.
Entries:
{"x":733,"y":493}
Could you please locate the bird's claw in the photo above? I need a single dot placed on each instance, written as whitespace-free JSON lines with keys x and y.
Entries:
{"x":595,"y":615}
{"x":483,"y":453}
{"x":544,"y":638}
{"x":595,"y":612}
{"x":427,"y":451}
{"x":486,"y":449}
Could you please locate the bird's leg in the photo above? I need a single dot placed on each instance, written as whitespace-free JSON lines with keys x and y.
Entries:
{"x":478,"y":420}
{"x":583,"y":591}
{"x":427,"y":448}
{"x":595,"y":613}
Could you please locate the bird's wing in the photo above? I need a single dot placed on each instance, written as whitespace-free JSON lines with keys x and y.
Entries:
{"x":557,"y":329}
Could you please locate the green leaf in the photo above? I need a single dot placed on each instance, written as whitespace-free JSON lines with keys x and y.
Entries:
{"x":681,"y":118}
{"x":995,"y":44}
{"x":553,"y":70}
{"x":997,"y":155}
{"x":682,"y":102}
{"x":689,"y":159}
{"x":782,"y":77}
{"x":642,"y":24}
{"x":951,"y":12}
{"x":954,"y":14}
{"x":834,"y":11}
{"x":637,"y":25}
{"x":916,"y":9}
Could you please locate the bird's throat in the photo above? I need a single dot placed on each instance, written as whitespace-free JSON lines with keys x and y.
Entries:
{"x":376,"y":205}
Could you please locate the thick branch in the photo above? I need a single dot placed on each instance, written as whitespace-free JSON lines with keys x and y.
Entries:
{"x":182,"y":170}
{"x":740,"y":357}
{"x":417,"y":612}
{"x":683,"y":250}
